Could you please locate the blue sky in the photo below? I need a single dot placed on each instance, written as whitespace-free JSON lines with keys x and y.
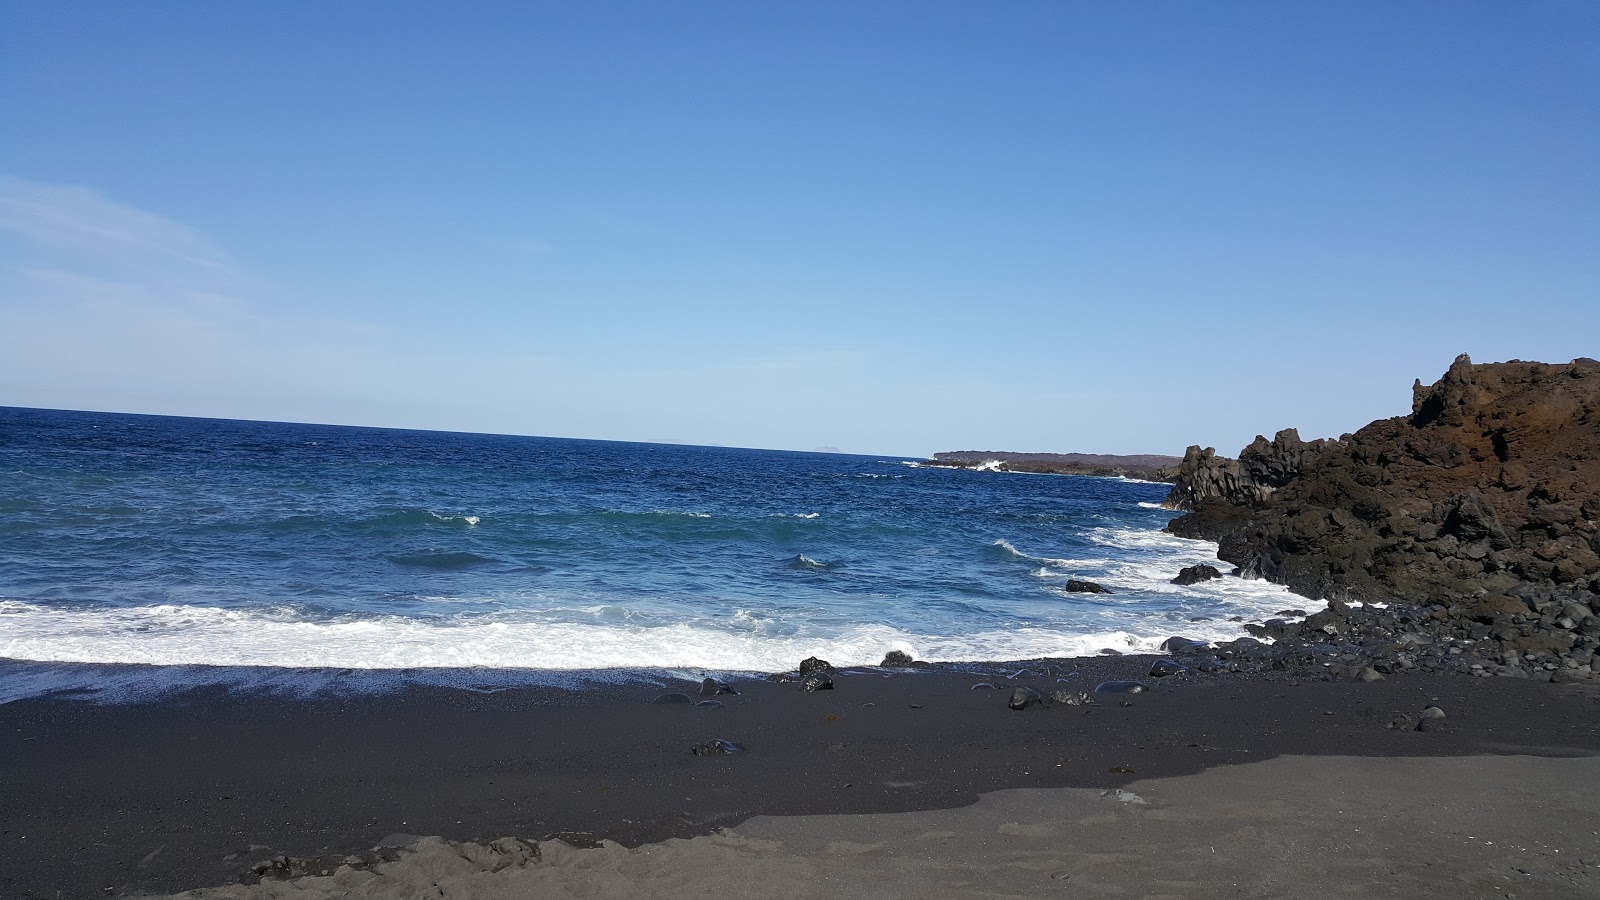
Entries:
{"x":886,"y":227}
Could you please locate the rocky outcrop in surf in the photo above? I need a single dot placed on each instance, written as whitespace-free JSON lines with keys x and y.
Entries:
{"x":1485,"y":499}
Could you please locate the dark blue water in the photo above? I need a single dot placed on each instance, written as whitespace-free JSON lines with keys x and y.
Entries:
{"x":173,"y":541}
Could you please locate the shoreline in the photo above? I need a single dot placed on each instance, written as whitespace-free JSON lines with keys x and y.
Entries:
{"x":173,"y":795}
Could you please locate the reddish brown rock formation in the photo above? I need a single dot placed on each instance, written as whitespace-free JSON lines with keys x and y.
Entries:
{"x":1486,"y":498}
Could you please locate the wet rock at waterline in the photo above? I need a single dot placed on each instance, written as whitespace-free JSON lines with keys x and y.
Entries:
{"x":1196,"y":574}
{"x":1077,"y":586}
{"x":711,"y":687}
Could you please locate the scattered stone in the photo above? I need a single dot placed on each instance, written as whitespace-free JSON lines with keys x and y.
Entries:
{"x":717,"y":747}
{"x":1369,"y":674}
{"x":1022,"y":697}
{"x":985,"y":686}
{"x":897,"y":659}
{"x":1072,"y":698}
{"x":780,"y":678}
{"x":1122,"y":796}
{"x":1183,"y":645}
{"x":711,"y":687}
{"x":1432,"y":712}
{"x":817,"y":680}
{"x":1077,"y":586}
{"x":710,"y":704}
{"x":1107,"y":651}
{"x":1196,"y":574}
{"x":1121,"y":687}
{"x":672,"y":698}
{"x":1290,"y":614}
{"x":1161,"y":668}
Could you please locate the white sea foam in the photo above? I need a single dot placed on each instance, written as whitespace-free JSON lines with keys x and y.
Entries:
{"x":1144,"y":504}
{"x":795,"y":516}
{"x":172,"y":635}
{"x":467,"y":520}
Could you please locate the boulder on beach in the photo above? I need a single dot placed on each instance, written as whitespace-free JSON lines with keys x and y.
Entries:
{"x":1023,"y":697}
{"x":812,"y":664}
{"x":1161,"y":668}
{"x":896,"y":659}
{"x":1177,"y":644}
{"x":711,"y":687}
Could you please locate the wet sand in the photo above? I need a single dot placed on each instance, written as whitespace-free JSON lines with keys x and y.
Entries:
{"x":104,"y":801}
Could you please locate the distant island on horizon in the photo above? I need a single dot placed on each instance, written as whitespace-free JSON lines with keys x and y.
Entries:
{"x":1143,"y":466}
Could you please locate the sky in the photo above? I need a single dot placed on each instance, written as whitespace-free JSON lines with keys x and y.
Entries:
{"x":886,"y":227}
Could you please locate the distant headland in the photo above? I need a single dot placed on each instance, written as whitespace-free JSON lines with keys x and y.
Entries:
{"x":1145,"y":467}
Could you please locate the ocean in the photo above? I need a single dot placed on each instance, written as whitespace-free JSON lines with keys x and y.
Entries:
{"x":137,"y":551}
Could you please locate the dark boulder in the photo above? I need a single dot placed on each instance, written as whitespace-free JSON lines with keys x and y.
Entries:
{"x":1076,"y":586}
{"x":711,"y":687}
{"x":812,"y":664}
{"x":1196,"y":574}
{"x":1023,"y":697}
{"x":1161,"y":668}
{"x":897,"y":659}
{"x":1183,"y":645}
{"x":817,"y":680}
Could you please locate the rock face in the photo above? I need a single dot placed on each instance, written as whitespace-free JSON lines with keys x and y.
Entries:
{"x":1485,"y":500}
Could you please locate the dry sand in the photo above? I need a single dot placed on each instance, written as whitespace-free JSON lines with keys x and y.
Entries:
{"x":1326,"y":827}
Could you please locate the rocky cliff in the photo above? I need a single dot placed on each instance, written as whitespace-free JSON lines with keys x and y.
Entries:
{"x":1485,"y":500}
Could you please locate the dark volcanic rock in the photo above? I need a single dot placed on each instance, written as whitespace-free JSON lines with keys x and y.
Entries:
{"x":1196,"y":574}
{"x":1161,"y":668}
{"x":812,"y":664}
{"x":897,"y":658}
{"x":717,"y":748}
{"x":817,"y":680}
{"x":1023,"y":697}
{"x":711,"y":687}
{"x":1085,"y":587}
{"x":1485,"y":501}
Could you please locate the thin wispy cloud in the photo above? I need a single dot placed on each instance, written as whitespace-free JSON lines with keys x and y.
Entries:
{"x":80,"y":221}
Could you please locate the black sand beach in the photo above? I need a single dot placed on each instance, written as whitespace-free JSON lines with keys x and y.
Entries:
{"x":118,"y":800}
